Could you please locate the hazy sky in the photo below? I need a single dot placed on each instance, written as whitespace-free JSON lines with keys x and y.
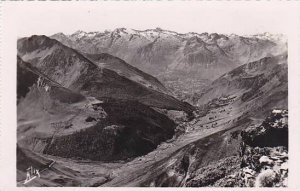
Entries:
{"x":185,"y":16}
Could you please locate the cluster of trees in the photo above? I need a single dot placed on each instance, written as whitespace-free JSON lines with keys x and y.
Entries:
{"x":130,"y":130}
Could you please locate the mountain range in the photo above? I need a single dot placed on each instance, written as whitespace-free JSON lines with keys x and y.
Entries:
{"x":143,"y":108}
{"x":168,"y":54}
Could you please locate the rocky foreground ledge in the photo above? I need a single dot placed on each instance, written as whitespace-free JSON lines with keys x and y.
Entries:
{"x":263,"y":154}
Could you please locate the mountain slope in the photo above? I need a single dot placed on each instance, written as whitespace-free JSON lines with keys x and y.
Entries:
{"x":70,"y":69}
{"x":28,"y":76}
{"x":50,"y":117}
{"x":210,"y":150}
{"x":261,"y":84}
{"x":130,"y":129}
{"x":122,"y":68}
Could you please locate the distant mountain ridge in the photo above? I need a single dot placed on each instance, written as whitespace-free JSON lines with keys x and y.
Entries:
{"x":166,"y":53}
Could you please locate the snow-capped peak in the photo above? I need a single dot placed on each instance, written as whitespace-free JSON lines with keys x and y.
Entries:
{"x":79,"y":33}
{"x":279,"y":38}
{"x":152,"y":34}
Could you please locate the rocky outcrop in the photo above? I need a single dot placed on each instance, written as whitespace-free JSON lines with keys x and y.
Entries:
{"x":208,"y":175}
{"x":260,"y":168}
{"x":264,"y":155}
{"x":272,"y":132}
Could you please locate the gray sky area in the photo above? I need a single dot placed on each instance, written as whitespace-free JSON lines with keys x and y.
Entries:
{"x":185,"y":16}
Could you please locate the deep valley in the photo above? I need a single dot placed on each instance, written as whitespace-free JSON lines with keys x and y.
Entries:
{"x":152,"y":108}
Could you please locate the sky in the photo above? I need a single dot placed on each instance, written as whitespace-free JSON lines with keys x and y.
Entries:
{"x":227,"y":17}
